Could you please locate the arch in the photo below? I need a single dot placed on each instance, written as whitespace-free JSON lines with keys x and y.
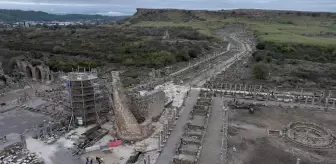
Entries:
{"x":49,"y":77}
{"x":38,"y":73}
{"x":29,"y":72}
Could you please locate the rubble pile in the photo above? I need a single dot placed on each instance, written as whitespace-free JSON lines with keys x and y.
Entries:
{"x":55,"y":111}
{"x":50,"y":132}
{"x":88,"y":139}
{"x":15,"y":154}
{"x":56,"y":94}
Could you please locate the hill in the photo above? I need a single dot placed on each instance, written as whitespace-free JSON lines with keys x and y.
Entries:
{"x":19,"y":15}
{"x":282,"y":34}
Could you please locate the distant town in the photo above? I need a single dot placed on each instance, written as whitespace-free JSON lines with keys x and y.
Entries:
{"x":51,"y":23}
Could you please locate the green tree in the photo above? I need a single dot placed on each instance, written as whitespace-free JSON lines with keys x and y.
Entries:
{"x":260,"y":46}
{"x":193,"y":53}
{"x":261,"y":71}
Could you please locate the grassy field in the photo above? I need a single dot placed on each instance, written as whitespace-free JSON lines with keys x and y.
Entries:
{"x":305,"y":30}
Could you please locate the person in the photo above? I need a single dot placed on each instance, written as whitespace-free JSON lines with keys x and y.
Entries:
{"x":91,"y":162}
{"x":87,"y":160}
{"x":98,"y":160}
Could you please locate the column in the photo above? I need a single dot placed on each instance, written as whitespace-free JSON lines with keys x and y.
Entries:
{"x":240,"y":86}
{"x":159,"y":143}
{"x":168,"y":126}
{"x":326,"y":102}
{"x":164,"y":133}
{"x":161,"y":138}
{"x":245,"y":89}
{"x":167,"y":132}
{"x":235,"y":88}
{"x":333,"y":105}
{"x":306,"y":101}
{"x":148,"y":159}
{"x":313,"y":98}
{"x":298,"y":161}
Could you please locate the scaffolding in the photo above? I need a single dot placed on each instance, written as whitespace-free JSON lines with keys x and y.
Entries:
{"x":83,"y":97}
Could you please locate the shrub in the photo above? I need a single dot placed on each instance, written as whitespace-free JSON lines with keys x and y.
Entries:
{"x":258,"y":58}
{"x":268,"y":59}
{"x":260,"y":71}
{"x":193,"y":53}
{"x":307,"y":57}
{"x":322,"y":59}
{"x":260,"y":46}
{"x":58,"y":49}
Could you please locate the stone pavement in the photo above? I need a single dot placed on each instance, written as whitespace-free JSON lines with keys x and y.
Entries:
{"x":169,"y":149}
{"x":212,"y":145}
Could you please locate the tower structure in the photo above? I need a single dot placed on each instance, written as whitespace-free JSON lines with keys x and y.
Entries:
{"x":83,"y":97}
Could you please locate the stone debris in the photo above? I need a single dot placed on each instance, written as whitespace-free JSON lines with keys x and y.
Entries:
{"x":16,"y":154}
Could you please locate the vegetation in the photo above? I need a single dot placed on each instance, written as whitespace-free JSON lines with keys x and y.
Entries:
{"x":260,"y":71}
{"x":61,"y":47}
{"x":284,"y":34}
{"x":19,"y":15}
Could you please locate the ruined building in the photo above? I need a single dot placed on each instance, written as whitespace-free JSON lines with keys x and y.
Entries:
{"x":128,"y":128}
{"x":84,"y":97}
{"x":40,"y":73}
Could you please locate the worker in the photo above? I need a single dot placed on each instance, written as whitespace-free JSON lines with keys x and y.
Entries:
{"x":98,"y":160}
{"x":87,"y":160}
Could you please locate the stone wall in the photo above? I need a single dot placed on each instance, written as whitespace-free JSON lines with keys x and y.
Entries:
{"x":40,"y":73}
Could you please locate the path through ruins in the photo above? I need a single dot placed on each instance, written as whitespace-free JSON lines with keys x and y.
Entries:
{"x":213,"y":138}
{"x":169,"y":149}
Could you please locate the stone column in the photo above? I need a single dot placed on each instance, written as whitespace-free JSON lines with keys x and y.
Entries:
{"x":326,"y":102}
{"x":298,"y":161}
{"x":148,"y":159}
{"x":313,"y":98}
{"x":230,"y":87}
{"x":306,"y":101}
{"x":301,"y":92}
{"x":159,"y":143}
{"x":161,"y":138}
{"x":240,"y":86}
{"x":167,"y":131}
{"x":333,"y":105}
{"x":164,"y":133}
{"x":235,"y":88}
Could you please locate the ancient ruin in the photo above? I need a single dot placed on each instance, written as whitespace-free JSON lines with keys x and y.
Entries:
{"x":309,"y":135}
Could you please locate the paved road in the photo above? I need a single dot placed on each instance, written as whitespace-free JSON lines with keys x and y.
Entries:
{"x":211,"y":151}
{"x":220,"y":67}
{"x":169,"y":149}
{"x":203,"y":61}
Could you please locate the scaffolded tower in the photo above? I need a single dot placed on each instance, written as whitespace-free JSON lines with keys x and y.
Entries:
{"x":83,"y":96}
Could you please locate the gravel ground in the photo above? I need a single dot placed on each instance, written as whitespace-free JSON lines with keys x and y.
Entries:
{"x":249,"y":142}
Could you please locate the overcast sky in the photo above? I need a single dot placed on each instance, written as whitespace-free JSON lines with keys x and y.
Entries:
{"x":128,"y":7}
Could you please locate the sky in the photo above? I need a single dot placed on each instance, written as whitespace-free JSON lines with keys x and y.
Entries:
{"x":128,"y":7}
